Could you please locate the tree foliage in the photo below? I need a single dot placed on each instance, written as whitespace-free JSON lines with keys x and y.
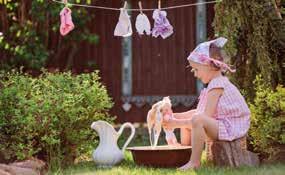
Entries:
{"x":256,"y":40}
{"x":28,"y":27}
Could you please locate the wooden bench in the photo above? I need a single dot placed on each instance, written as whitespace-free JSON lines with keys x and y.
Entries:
{"x":230,"y":153}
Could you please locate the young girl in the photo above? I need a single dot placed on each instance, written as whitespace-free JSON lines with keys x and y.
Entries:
{"x":221,"y":114}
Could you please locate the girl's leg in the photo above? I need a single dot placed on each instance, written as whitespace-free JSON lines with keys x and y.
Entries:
{"x":185,"y":134}
{"x":201,"y":125}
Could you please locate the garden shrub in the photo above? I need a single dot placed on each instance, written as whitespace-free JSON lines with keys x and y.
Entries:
{"x":268,"y":120}
{"x":49,"y":116}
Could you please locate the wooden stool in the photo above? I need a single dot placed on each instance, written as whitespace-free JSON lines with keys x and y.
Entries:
{"x":230,"y":153}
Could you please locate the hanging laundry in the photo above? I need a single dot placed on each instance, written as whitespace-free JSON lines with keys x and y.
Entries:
{"x":143,"y":24}
{"x":66,"y":21}
{"x":123,"y":27}
{"x":161,"y":26}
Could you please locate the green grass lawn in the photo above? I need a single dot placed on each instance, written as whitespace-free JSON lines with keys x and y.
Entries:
{"x":129,"y":167}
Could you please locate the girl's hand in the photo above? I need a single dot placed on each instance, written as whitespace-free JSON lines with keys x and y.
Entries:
{"x":166,"y":117}
{"x":169,"y":123}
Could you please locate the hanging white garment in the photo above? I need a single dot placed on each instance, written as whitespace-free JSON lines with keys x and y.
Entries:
{"x":123,"y":27}
{"x":143,"y":24}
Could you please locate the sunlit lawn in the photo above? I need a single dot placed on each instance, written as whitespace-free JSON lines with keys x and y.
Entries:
{"x":129,"y":167}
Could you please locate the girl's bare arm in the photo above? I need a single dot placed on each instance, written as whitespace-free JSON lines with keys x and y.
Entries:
{"x":184,"y":115}
{"x":183,"y":120}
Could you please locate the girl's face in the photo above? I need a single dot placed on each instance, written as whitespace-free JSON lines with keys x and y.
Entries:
{"x":202,"y":72}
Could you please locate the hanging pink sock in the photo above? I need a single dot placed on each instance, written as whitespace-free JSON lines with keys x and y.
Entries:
{"x":66,"y":21}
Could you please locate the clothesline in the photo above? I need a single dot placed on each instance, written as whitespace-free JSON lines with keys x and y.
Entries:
{"x":135,"y":9}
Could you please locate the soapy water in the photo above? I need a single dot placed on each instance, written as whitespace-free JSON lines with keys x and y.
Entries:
{"x":153,"y":137}
{"x":154,"y":130}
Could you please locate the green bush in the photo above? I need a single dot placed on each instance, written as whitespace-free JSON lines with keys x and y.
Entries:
{"x":50,"y":116}
{"x":268,"y":120}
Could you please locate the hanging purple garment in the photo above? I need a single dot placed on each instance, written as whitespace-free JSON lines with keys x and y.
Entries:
{"x":161,"y":26}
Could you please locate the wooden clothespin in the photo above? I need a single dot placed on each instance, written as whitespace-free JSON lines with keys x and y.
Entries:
{"x":125,"y":5}
{"x":140,"y":6}
{"x":159,"y":4}
{"x":65,"y":2}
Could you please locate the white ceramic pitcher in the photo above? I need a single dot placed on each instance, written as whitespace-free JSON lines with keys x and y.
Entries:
{"x":108,"y":153}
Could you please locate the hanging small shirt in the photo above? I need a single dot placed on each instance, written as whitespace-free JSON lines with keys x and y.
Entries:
{"x":143,"y":24}
{"x":123,"y":27}
{"x":66,"y":21}
{"x":162,"y":26}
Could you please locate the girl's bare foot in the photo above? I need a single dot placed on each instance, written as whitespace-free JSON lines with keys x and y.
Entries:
{"x":189,"y":166}
{"x":176,"y":144}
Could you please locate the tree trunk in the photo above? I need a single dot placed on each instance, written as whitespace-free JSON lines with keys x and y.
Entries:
{"x":232,"y":153}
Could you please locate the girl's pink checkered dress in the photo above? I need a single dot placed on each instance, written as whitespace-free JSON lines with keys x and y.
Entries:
{"x":232,"y":112}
